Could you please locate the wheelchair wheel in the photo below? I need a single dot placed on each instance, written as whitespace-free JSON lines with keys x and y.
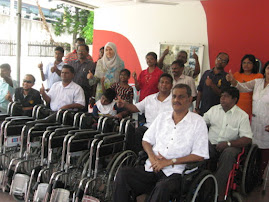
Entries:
{"x":126,"y":158}
{"x":236,"y":197}
{"x":250,"y":176}
{"x":203,"y":188}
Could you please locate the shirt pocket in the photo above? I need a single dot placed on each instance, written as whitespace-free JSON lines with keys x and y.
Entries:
{"x":232,"y":132}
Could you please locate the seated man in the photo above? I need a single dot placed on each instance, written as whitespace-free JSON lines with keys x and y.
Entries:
{"x":27,"y":96}
{"x":64,"y":94}
{"x":151,"y":106}
{"x":173,"y":139}
{"x":229,"y":131}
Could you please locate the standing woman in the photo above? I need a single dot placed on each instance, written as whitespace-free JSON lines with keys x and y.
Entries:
{"x":260,"y":111}
{"x":108,"y":68}
{"x":147,"y":82}
{"x":248,"y":72}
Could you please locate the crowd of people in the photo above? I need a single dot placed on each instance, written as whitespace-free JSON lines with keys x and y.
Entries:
{"x":230,"y":110}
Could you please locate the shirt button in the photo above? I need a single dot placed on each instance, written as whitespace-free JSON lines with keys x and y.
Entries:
{"x":171,"y":138}
{"x":166,"y":147}
{"x":175,"y":128}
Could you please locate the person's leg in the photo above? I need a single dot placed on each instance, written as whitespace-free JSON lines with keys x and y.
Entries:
{"x":225,"y":165}
{"x":165,"y":188}
{"x":214,"y":157}
{"x":131,"y":182}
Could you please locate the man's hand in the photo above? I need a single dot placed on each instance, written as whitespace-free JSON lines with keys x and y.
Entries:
{"x":194,"y":55}
{"x":120,"y":102}
{"x":54,"y":68}
{"x":90,"y":75}
{"x":134,"y":75}
{"x":40,"y":66}
{"x":166,"y":51}
{"x":160,"y":163}
{"x":267,"y":128}
{"x":119,"y":116}
{"x":42,"y":90}
{"x":197,"y":111}
{"x":208,"y":81}
{"x":8,"y":97}
{"x":221,"y":146}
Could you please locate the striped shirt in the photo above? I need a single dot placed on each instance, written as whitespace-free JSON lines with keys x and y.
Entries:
{"x":126,"y":94}
{"x":73,"y":56}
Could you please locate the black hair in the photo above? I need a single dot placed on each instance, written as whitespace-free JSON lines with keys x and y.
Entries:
{"x":180,"y":63}
{"x":232,"y":91}
{"x":224,"y":54}
{"x":71,"y":69}
{"x":181,"y":85}
{"x":154,"y":55}
{"x":102,"y":48}
{"x":264,"y":67}
{"x":185,"y":52}
{"x":254,"y":62}
{"x":126,"y":71}
{"x":80,"y":39}
{"x":86,"y":47}
{"x":167,"y":76}
{"x":59,"y":48}
{"x":110,"y":94}
{"x":5,"y":66}
{"x":31,"y":76}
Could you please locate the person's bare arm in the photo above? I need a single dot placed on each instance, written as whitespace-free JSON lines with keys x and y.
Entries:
{"x":210,"y":84}
{"x":160,"y":62}
{"x":198,"y":101}
{"x":128,"y":106}
{"x":44,"y":95}
{"x":40,"y":66}
{"x":136,"y":81}
{"x":197,"y":68}
{"x":73,"y":106}
{"x":241,"y":142}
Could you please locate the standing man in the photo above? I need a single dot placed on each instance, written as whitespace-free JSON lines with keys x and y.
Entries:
{"x":174,"y":138}
{"x":82,"y":67}
{"x":52,"y":72}
{"x":177,"y":68}
{"x":7,"y":86}
{"x":27,"y":96}
{"x":64,"y":94}
{"x":181,"y":55}
{"x":229,"y":131}
{"x":211,"y":84}
{"x":74,"y":55}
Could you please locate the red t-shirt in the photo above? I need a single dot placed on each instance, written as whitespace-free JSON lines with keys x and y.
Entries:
{"x":148,"y":82}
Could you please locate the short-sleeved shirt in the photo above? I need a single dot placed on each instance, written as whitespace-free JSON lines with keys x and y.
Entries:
{"x":148,"y":82}
{"x":81,"y":71}
{"x":171,"y":140}
{"x":227,"y":126}
{"x":33,"y":98}
{"x":61,"y":96}
{"x":74,"y":56}
{"x":209,"y":98}
{"x":4,"y":89}
{"x":110,"y":109}
{"x":52,"y":77}
{"x":152,"y":107}
{"x":188,"y":81}
{"x":126,"y":94}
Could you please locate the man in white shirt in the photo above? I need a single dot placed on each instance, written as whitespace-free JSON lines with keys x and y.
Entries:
{"x":173,"y":139}
{"x":52,"y":72}
{"x":151,"y":106}
{"x":229,"y":131}
{"x":64,"y":94}
{"x":177,"y":68}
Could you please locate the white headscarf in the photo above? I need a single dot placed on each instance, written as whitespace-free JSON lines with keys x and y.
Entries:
{"x":115,"y":61}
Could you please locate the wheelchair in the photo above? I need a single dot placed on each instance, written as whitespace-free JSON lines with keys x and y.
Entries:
{"x":75,"y":151}
{"x":244,"y":175}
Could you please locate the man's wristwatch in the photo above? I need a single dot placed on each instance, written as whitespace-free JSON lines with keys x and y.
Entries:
{"x":173,"y":162}
{"x":229,"y":144}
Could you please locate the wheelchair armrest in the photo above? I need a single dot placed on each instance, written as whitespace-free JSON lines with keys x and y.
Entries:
{"x":102,"y":135}
{"x":113,"y":138}
{"x":192,"y":165}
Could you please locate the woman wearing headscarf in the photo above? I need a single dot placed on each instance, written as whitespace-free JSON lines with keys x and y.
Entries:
{"x":107,"y":70}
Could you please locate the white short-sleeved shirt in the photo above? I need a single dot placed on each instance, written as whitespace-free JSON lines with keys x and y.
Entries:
{"x":61,"y":96}
{"x":188,"y":81}
{"x":52,"y":77}
{"x":152,"y":107}
{"x":189,"y":136}
{"x":227,"y":126}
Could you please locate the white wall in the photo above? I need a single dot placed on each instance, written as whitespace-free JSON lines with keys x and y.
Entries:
{"x":146,"y":25}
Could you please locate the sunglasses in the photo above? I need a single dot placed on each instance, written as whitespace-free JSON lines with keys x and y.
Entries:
{"x":27,"y":81}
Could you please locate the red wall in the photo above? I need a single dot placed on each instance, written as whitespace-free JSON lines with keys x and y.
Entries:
{"x":237,"y":27}
{"x":124,"y":47}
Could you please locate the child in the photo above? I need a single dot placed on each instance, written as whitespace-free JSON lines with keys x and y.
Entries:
{"x":106,"y":105}
{"x":122,"y":89}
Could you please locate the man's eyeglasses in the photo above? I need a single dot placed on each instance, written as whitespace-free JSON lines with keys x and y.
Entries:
{"x":223,"y":61}
{"x":27,"y":81}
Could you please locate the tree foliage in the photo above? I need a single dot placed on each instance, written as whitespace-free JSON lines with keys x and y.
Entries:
{"x":75,"y":21}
